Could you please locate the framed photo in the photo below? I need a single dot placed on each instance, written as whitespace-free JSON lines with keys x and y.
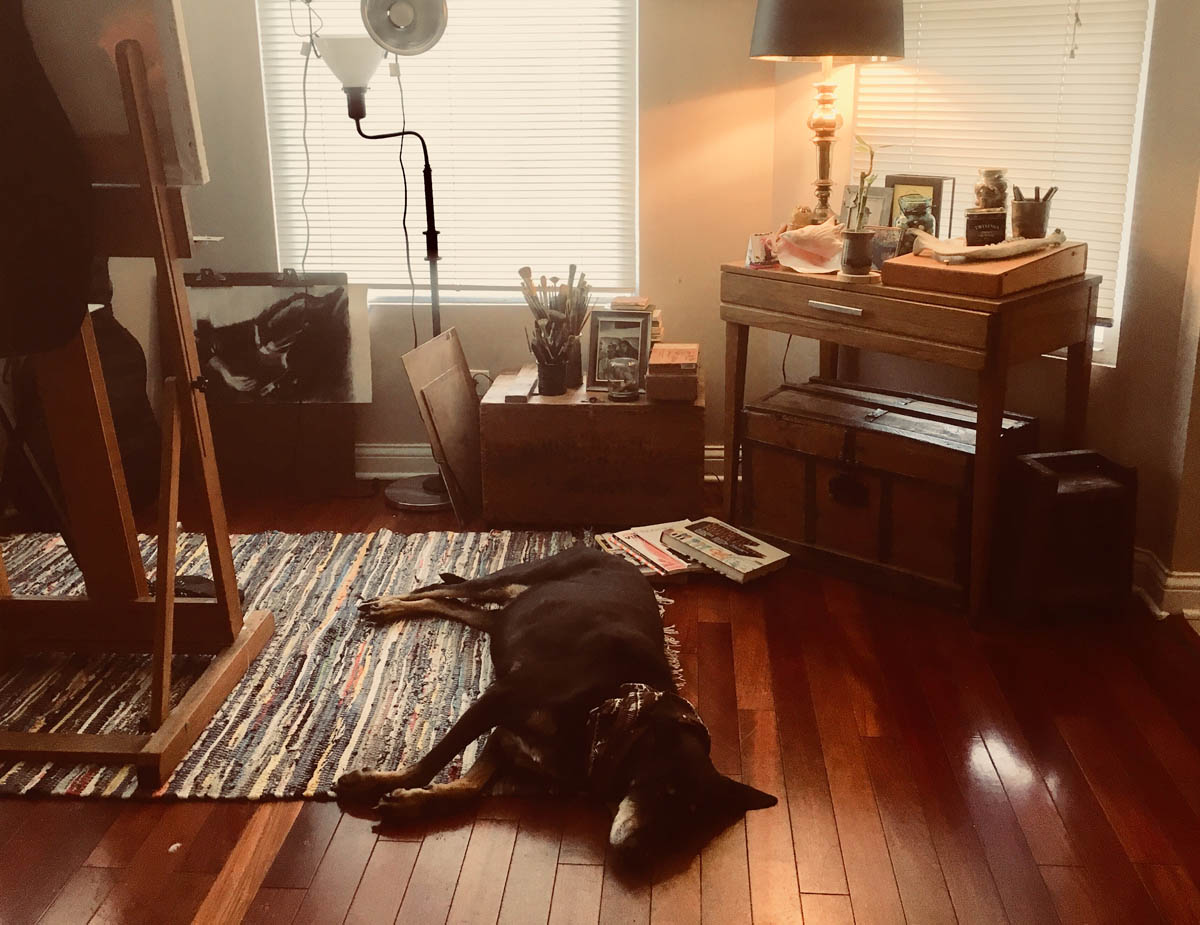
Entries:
{"x":879,"y":205}
{"x":617,"y":334}
{"x":938,"y":190}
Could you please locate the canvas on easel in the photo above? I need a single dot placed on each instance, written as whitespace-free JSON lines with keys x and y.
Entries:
{"x":119,"y":614}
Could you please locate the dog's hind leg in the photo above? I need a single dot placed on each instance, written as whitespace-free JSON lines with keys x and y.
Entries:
{"x":401,"y":804}
{"x":391,"y":609}
{"x":480,"y":717}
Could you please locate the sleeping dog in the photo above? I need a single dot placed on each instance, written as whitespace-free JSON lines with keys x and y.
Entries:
{"x":583,"y":697}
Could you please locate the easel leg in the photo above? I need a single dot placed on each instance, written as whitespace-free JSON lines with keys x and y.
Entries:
{"x":168,"y":519}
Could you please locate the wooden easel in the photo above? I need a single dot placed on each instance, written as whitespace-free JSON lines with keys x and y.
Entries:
{"x":119,"y":614}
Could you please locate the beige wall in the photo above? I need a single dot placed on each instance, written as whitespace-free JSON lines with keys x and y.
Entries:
{"x":724,"y":152}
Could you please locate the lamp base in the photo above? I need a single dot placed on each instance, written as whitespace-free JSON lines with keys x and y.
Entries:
{"x":424,"y":494}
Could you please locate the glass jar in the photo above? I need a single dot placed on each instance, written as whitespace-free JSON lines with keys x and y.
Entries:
{"x":623,"y":379}
{"x":914,"y":215}
{"x":991,"y":191}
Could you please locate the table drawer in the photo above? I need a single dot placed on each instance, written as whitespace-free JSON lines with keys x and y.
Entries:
{"x":935,"y":323}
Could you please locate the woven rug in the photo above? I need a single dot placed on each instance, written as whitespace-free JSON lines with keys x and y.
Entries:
{"x":330,"y":692}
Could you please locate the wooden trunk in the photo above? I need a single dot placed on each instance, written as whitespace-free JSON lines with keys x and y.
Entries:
{"x":874,"y":483}
{"x":579,"y":459}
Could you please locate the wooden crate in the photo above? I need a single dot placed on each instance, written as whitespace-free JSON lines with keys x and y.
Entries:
{"x":874,"y":483}
{"x":987,"y":279}
{"x":578,"y":459}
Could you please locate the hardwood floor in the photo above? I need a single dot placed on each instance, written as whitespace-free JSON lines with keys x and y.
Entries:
{"x":926,"y":773}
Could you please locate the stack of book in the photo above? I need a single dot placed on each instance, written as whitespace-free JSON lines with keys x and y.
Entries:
{"x":672,"y":551}
{"x":644,"y":548}
{"x":674,"y":373}
{"x":641,"y":303}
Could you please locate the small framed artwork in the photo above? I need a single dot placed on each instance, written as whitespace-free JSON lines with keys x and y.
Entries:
{"x":939,"y":191}
{"x":879,"y":205}
{"x":617,"y":334}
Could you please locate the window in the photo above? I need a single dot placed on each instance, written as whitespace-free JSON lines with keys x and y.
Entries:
{"x":1050,"y":90}
{"x":529,"y":108}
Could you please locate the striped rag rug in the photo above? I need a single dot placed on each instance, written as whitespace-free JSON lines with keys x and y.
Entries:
{"x":330,"y":692}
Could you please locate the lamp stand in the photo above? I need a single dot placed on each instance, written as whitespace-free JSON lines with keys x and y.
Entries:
{"x":418,"y":493}
{"x":824,"y":122}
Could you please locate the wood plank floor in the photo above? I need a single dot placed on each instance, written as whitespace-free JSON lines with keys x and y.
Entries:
{"x":926,"y":772}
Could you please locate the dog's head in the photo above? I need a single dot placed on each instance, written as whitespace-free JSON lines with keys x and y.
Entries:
{"x":673,"y":798}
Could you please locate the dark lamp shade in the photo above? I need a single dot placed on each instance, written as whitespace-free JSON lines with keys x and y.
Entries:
{"x":848,"y":30}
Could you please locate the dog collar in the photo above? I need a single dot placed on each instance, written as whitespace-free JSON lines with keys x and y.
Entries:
{"x":619,"y":722}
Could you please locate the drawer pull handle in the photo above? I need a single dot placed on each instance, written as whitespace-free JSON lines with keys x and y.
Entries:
{"x":840,"y":309}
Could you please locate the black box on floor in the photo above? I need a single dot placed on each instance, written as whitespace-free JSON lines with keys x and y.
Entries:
{"x":1065,"y":545}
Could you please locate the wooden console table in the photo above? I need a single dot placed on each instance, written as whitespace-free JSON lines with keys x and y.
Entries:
{"x":986,"y":336}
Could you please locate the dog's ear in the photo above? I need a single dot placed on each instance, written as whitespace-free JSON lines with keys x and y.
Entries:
{"x":743,"y":797}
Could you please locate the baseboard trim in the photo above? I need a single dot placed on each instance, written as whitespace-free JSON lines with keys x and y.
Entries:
{"x":1163,"y":591}
{"x":395,"y":460}
{"x":392,"y":460}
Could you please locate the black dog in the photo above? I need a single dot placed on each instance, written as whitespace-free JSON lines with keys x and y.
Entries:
{"x":583,"y":696}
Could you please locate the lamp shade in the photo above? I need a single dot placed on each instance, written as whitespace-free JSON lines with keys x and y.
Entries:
{"x":848,"y":30}
{"x":405,"y":27}
{"x":352,"y":58}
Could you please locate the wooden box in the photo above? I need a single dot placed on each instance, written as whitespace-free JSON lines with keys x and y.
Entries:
{"x":873,"y":482}
{"x":579,"y":459}
{"x":1066,"y":528}
{"x":987,"y":279}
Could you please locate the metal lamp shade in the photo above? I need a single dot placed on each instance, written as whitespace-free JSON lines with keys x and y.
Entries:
{"x":405,"y":27}
{"x":849,"y":31}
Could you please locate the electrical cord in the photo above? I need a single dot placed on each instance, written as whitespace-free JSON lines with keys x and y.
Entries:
{"x":412,"y":285}
{"x":783,"y":364}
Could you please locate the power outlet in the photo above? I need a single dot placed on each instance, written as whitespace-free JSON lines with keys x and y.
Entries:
{"x":483,"y":380}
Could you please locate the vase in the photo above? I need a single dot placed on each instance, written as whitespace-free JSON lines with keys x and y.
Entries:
{"x":856,"y":252}
{"x":552,"y":378}
{"x":574,"y":374}
{"x":991,"y":190}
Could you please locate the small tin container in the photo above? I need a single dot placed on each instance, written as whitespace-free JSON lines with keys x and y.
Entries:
{"x":985,"y":226}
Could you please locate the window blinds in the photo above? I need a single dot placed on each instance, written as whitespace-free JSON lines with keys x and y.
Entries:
{"x":529,"y":108}
{"x":1021,"y":84}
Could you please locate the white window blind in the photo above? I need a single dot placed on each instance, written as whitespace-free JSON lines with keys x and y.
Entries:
{"x":529,"y":108}
{"x":1019,"y":84}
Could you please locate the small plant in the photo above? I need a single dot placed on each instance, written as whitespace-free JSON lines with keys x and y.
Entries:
{"x":860,"y":211}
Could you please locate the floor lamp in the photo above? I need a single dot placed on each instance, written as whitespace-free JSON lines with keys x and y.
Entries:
{"x":848,"y":32}
{"x":404,"y":28}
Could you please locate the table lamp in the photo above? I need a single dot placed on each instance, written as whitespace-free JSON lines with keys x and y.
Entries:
{"x":848,"y":32}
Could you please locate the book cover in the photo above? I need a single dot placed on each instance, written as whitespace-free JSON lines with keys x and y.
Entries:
{"x":733,"y":553}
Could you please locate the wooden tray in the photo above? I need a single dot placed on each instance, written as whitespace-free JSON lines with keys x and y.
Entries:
{"x":987,"y":279}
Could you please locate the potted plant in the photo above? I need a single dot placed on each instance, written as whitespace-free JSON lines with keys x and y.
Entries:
{"x":856,"y":237}
{"x":559,"y":311}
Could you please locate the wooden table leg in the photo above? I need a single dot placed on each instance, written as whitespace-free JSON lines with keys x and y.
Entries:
{"x":829,"y":360}
{"x":737,"y":338}
{"x":993,"y":380}
{"x":1079,"y":380}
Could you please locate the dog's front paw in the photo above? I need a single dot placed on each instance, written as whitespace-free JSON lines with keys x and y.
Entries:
{"x":365,"y":786}
{"x":404,"y":805}
{"x":381,"y":609}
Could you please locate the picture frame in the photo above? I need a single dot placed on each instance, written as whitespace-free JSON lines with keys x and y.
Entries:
{"x":879,"y":204}
{"x":939,"y":191}
{"x":614,"y":334}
